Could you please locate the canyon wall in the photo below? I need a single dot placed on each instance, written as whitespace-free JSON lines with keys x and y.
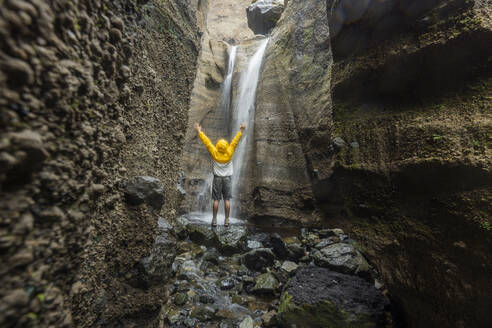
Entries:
{"x":411,"y":88}
{"x":293,"y":116}
{"x":92,"y":93}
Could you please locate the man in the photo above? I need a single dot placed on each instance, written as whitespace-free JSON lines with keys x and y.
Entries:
{"x":222,"y":164}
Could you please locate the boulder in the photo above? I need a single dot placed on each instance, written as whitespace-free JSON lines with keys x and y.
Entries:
{"x":343,"y":258}
{"x":247,"y":323}
{"x":258,"y":259}
{"x":146,"y":189}
{"x":289,"y":267}
{"x":264,"y":14}
{"x":279,"y":247}
{"x":202,"y":234}
{"x":316,"y":296}
{"x":265,"y":283}
{"x":294,"y":247}
{"x":230,"y":240}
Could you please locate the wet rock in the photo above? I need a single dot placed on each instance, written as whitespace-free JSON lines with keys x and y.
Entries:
{"x":253,"y":244}
{"x":279,"y":247}
{"x":203,"y":313}
{"x":315,"y":296}
{"x":146,"y":189}
{"x":230,"y":239}
{"x":326,"y":242}
{"x":243,"y":300}
{"x":211,"y":255}
{"x":258,"y":259}
{"x":173,"y":315}
{"x":265,"y":283}
{"x":289,"y":267}
{"x":342,"y":258}
{"x":206,"y":299}
{"x":202,"y":234}
{"x":180,"y":227}
{"x":180,"y":299}
{"x":226,"y":283}
{"x":264,"y":14}
{"x":246,"y":323}
{"x":163,"y":226}
{"x":294,"y":247}
{"x":269,"y":319}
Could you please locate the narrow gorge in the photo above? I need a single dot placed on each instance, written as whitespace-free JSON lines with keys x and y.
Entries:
{"x":362,"y":186}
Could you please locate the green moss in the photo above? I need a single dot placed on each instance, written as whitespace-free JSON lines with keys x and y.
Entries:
{"x":285,"y":303}
{"x":324,"y":314}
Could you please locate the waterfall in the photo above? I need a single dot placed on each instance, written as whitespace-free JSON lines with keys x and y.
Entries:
{"x":225,"y":101}
{"x":244,"y":111}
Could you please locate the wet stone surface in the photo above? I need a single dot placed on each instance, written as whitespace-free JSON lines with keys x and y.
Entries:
{"x":214,"y":287}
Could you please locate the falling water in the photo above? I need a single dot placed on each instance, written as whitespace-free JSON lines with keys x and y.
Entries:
{"x":225,"y":101}
{"x":244,"y":112}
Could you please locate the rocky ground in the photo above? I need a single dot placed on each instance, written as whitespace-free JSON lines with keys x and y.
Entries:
{"x":242,"y":277}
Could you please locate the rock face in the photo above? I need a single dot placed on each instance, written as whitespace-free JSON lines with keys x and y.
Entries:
{"x":264,"y":14}
{"x":415,"y":188}
{"x":293,"y":114}
{"x":145,"y":189}
{"x":91,"y":94}
{"x":317,"y":297}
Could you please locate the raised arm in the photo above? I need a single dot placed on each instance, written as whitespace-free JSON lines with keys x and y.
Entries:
{"x":206,"y":141}
{"x":238,"y":136}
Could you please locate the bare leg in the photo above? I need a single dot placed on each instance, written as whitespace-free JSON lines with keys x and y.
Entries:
{"x":227,"y":210}
{"x":215,"y":210}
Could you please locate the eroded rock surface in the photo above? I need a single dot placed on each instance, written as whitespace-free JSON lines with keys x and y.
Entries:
{"x":264,"y":14}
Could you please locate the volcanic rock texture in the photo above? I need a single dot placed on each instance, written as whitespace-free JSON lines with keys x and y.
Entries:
{"x":92,"y":93}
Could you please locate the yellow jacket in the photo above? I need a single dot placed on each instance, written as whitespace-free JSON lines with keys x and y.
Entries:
{"x":222,"y":152}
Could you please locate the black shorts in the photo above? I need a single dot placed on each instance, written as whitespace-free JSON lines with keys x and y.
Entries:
{"x":221,"y":188}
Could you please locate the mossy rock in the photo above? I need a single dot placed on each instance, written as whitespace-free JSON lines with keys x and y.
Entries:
{"x":320,"y":298}
{"x":324,"y":314}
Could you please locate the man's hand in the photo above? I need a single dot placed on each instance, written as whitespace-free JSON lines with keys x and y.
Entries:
{"x":242,"y":127}
{"x":198,"y":128}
